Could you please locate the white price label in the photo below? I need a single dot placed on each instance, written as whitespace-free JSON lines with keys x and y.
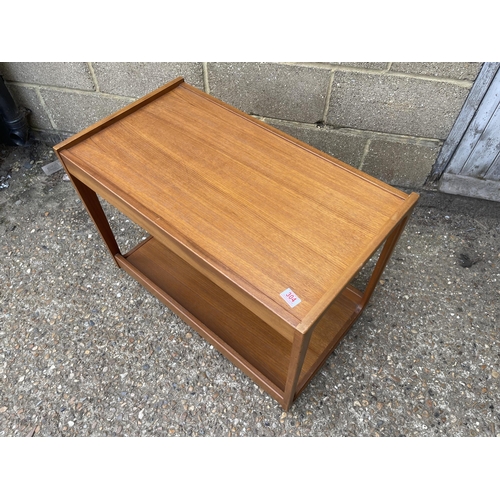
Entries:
{"x":290,"y":298}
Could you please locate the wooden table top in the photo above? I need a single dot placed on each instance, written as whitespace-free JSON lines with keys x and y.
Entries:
{"x":267,"y":212}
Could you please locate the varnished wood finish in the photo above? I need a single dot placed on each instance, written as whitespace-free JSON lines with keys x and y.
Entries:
{"x":216,"y":309}
{"x":94,"y":208}
{"x":390,"y":226}
{"x":202,"y":329}
{"x":299,"y":349}
{"x":245,"y":204}
{"x":118,"y":115}
{"x":158,"y":228}
{"x":239,"y":212}
{"x":239,"y":328}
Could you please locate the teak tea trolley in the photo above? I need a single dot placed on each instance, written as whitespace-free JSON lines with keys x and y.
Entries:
{"x":255,"y":236}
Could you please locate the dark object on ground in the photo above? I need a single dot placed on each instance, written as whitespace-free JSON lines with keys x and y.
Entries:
{"x":14,"y":130}
{"x":466,"y":261}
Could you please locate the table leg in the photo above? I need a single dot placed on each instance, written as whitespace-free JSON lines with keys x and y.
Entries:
{"x":299,"y":349}
{"x":387,"y":250}
{"x":94,"y":208}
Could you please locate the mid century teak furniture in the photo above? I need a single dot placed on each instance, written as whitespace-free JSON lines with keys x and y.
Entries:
{"x":255,"y":236}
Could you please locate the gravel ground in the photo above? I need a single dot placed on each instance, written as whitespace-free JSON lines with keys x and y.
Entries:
{"x":86,"y":351}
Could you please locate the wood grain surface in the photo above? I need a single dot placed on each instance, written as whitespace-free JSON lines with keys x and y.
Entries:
{"x":255,"y":207}
{"x":257,"y":342}
{"x":239,"y":212}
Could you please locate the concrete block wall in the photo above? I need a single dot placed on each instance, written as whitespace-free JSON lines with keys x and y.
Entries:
{"x":388,"y":119}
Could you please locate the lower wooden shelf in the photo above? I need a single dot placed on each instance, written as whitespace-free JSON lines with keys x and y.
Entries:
{"x":250,"y":343}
